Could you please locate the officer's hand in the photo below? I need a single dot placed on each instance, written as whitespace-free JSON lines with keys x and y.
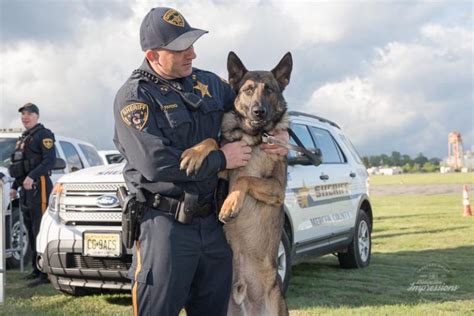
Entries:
{"x":28,"y":183}
{"x":13,"y":194}
{"x":237,"y":154}
{"x":274,"y":149}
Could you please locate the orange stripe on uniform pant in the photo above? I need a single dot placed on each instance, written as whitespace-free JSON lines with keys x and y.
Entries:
{"x":135,"y":285}
{"x":43,"y":194}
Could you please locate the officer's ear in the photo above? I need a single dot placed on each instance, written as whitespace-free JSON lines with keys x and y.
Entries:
{"x":152,"y":55}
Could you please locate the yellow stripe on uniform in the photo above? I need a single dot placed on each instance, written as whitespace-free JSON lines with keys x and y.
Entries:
{"x":135,"y":285}
{"x":43,"y":194}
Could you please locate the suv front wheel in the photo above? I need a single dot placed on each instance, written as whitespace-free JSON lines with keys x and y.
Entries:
{"x":284,"y":261}
{"x":359,"y":250}
{"x":15,"y":236}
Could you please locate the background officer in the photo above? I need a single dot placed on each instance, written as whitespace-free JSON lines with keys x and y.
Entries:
{"x":182,"y":258}
{"x":32,"y":162}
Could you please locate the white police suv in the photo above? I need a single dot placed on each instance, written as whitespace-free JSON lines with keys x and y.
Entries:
{"x":327,"y":210}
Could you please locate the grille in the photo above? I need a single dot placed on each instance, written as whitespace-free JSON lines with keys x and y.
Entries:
{"x":78,"y":261}
{"x":78,"y":203}
{"x":91,"y":187}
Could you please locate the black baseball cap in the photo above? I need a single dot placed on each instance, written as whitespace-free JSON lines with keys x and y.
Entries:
{"x":29,"y":107}
{"x":166,"y":28}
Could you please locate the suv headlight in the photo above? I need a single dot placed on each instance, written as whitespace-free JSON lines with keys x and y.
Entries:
{"x":55,"y":198}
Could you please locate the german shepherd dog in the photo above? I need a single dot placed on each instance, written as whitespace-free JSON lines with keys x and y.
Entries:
{"x":252,"y":211}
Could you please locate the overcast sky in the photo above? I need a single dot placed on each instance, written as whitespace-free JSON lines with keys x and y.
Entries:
{"x":395,"y":75}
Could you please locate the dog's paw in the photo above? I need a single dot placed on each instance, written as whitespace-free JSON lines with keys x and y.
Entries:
{"x":231,"y":207}
{"x":191,"y":160}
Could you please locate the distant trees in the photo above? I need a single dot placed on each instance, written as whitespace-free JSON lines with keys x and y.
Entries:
{"x":419,"y":164}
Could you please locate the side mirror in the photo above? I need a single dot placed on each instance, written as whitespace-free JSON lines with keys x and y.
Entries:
{"x":59,"y":164}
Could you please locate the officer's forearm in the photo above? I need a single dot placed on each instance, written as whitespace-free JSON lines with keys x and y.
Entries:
{"x":156,"y":160}
{"x":43,"y":168}
{"x":169,"y":171}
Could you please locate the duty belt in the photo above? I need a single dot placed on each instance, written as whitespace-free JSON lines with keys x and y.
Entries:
{"x":171,"y":205}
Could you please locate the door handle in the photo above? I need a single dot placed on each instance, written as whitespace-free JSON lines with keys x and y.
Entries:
{"x":352,"y":174}
{"x":324,"y":177}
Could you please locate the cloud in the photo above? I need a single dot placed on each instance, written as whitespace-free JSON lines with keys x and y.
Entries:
{"x":411,"y":95}
{"x":53,"y":20}
{"x":73,"y":83}
{"x":410,"y":62}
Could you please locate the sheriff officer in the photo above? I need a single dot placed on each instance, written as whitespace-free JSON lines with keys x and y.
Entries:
{"x":32,"y":162}
{"x":181,"y":258}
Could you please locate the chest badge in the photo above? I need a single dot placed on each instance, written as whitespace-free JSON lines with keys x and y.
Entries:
{"x":203,"y":88}
{"x":48,"y":143}
{"x":135,"y":115}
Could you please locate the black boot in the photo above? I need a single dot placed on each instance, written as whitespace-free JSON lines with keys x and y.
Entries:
{"x":41,"y":279}
{"x":33,"y":275}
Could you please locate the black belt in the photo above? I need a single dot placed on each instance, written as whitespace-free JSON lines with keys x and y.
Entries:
{"x":170,"y":205}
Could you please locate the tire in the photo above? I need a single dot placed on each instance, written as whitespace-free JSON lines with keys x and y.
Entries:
{"x":359,"y":251}
{"x":284,"y":262}
{"x":68,"y":289}
{"x":13,"y":236}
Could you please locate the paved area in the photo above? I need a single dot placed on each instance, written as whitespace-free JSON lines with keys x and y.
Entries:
{"x":412,"y":189}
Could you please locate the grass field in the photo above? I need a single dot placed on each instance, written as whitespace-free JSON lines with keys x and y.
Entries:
{"x":416,"y":240}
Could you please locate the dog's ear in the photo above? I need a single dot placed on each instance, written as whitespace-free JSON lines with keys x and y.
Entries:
{"x":282,"y":71}
{"x":236,"y":70}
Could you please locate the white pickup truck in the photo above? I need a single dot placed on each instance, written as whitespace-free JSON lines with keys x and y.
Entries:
{"x":327,"y":210}
{"x":77,"y":155}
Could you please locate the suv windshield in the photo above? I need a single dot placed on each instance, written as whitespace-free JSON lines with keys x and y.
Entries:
{"x":7,"y":147}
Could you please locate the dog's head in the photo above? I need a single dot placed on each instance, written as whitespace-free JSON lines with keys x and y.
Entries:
{"x":259,"y":100}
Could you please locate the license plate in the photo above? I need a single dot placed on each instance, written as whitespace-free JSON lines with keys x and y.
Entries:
{"x":101,"y":244}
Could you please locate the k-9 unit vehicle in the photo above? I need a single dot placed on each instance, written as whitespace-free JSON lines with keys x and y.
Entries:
{"x":327,"y":210}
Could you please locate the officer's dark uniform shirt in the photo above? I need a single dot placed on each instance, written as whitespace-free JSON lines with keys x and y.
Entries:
{"x":39,"y":152}
{"x":153,"y":127}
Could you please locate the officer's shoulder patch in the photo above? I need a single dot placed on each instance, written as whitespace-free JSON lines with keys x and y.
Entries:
{"x":48,"y":143}
{"x":135,"y":115}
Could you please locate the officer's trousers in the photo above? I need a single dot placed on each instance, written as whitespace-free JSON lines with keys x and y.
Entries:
{"x":176,"y":265}
{"x":33,"y":204}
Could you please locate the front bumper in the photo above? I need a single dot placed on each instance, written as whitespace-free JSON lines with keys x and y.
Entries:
{"x":60,"y":254}
{"x":64,"y":259}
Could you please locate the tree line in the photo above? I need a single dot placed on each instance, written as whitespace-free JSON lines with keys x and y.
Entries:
{"x":418,"y":164}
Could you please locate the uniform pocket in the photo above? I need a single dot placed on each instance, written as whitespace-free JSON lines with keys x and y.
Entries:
{"x":173,"y":118}
{"x":212,"y":112}
{"x":177,"y":118}
{"x":176,"y":126}
{"x":211,"y":106}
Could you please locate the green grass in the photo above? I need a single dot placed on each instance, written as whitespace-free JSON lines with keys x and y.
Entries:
{"x":424,"y":178}
{"x":410,"y":232}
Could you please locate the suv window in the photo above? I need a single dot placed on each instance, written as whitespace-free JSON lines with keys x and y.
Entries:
{"x":91,"y":155}
{"x":330,"y":150}
{"x":7,"y":147}
{"x":72,"y":157}
{"x":352,"y":149}
{"x":301,"y":131}
{"x":57,"y":171}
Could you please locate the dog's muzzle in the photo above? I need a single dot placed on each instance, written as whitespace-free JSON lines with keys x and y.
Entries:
{"x":258,"y":116}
